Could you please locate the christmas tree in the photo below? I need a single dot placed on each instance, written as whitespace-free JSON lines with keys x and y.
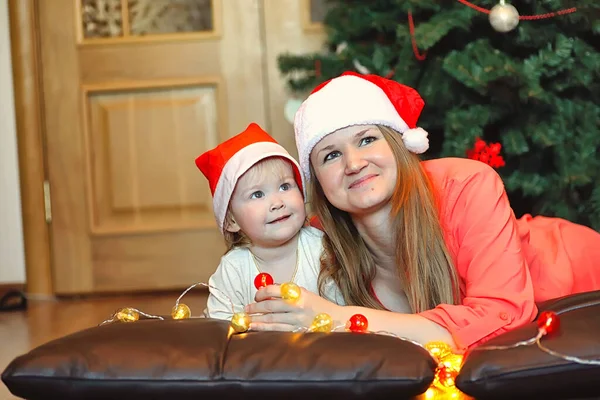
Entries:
{"x":534,"y":89}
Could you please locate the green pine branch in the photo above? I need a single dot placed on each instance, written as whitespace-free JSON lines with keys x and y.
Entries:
{"x":478,"y":65}
{"x":429,"y":33}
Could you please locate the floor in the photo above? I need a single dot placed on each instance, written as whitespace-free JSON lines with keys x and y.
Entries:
{"x":47,"y":319}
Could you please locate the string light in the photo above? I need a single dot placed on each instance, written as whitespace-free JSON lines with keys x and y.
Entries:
{"x":179,"y":310}
{"x":128,"y":314}
{"x":240,"y":321}
{"x":548,"y":323}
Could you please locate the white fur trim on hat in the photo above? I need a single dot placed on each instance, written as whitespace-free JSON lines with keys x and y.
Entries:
{"x":416,"y":140}
{"x":346,"y":101}
{"x":237,"y":165}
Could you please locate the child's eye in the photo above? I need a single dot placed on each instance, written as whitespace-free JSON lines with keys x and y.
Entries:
{"x":257,"y":195}
{"x":367,"y":140}
{"x":285,"y":187}
{"x":331,"y":156}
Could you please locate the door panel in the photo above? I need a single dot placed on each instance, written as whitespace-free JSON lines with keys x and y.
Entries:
{"x":141,"y":142}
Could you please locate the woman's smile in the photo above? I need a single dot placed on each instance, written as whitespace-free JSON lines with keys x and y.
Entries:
{"x":362,"y":181}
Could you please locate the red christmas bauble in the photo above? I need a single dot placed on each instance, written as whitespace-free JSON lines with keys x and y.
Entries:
{"x":358,"y":323}
{"x":548,"y":321}
{"x":262,"y":280}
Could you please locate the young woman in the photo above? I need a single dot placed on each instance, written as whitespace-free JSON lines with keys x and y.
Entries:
{"x":427,"y":250}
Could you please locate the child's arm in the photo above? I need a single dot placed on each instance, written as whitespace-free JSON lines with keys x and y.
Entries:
{"x":226,"y":287}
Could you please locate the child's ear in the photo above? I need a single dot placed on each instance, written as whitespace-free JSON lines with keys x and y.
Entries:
{"x":231,"y":225}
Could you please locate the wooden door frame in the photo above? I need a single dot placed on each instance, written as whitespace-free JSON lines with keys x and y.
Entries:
{"x":27,"y":78}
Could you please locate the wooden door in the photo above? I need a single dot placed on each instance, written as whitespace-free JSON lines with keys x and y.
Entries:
{"x":133,"y":91}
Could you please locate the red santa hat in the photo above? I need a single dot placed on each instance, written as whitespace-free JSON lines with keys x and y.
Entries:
{"x":356,"y":99}
{"x":225,"y":164}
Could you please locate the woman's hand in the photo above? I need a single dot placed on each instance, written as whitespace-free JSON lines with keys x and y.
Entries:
{"x":277,"y":314}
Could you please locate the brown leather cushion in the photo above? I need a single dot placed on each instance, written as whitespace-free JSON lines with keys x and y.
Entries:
{"x":196,"y":358}
{"x":527,"y":371}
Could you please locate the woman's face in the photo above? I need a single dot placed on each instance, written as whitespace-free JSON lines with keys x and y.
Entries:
{"x":356,"y":169}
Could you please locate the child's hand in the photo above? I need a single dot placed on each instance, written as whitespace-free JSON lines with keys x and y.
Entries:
{"x":277,"y":314}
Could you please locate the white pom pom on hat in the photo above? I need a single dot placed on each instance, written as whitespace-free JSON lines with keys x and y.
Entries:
{"x":357,"y":99}
{"x":416,"y":140}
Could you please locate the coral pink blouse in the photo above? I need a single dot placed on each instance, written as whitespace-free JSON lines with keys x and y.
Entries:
{"x":504,"y":265}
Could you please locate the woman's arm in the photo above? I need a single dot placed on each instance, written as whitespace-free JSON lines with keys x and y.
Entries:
{"x":280,"y":315}
{"x":497,"y":287}
{"x":409,"y":326}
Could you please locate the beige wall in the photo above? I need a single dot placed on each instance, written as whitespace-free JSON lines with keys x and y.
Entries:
{"x":12,"y":263}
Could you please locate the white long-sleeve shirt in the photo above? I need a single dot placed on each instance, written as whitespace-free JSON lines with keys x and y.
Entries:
{"x":236,"y":272}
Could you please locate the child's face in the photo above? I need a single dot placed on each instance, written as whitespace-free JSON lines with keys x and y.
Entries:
{"x":267,"y":204}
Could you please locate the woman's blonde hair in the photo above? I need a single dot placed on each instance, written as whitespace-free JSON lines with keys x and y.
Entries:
{"x":271,"y":165}
{"x":424,"y":263}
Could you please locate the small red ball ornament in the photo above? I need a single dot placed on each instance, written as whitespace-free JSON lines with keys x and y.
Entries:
{"x":358,"y":323}
{"x":262,"y":280}
{"x":549,"y":322}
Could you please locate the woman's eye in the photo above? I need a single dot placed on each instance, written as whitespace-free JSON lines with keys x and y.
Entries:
{"x":257,"y":195}
{"x":331,"y":156}
{"x":285,"y":187}
{"x":367,"y":140}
